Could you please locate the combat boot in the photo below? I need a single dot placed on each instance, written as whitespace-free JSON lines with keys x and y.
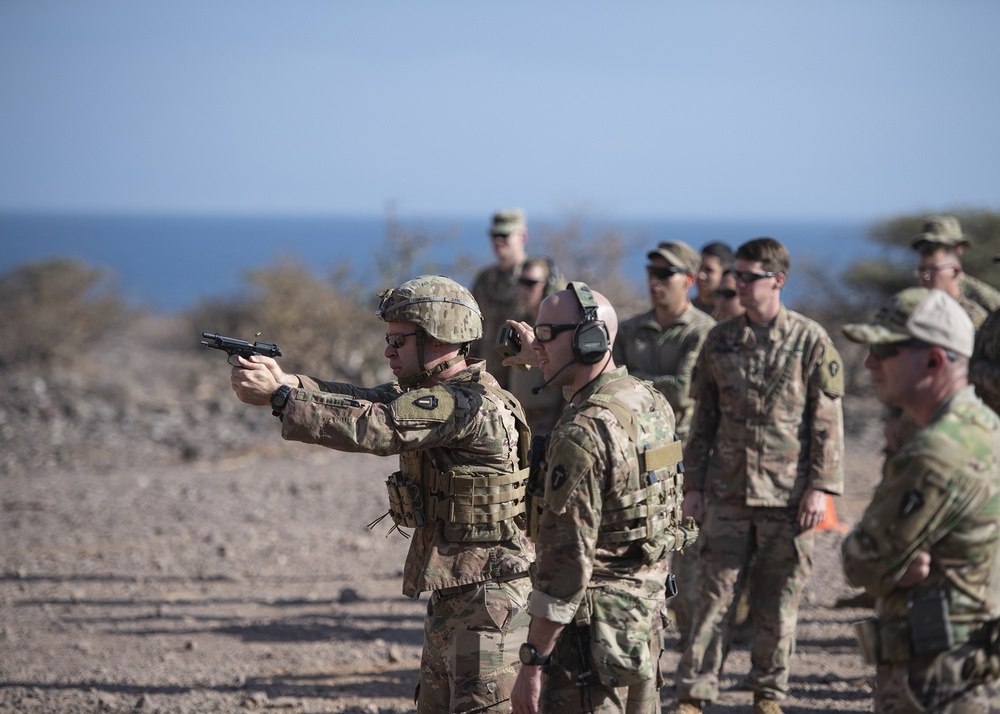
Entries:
{"x":765,"y":706}
{"x":686,"y":708}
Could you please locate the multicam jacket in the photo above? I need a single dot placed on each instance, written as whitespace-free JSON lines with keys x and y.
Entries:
{"x":939,"y":493}
{"x":590,"y":460}
{"x":767,"y":422}
{"x":665,"y":357}
{"x":495,"y":289}
{"x":454,"y":425}
{"x":984,"y":367}
{"x":980,"y":292}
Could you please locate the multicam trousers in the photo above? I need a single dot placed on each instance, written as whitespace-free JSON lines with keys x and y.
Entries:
{"x":471,"y":640}
{"x":731,"y":535}
{"x":939,"y":684}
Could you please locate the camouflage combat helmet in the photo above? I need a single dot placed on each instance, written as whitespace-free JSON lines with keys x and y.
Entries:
{"x":443,"y":308}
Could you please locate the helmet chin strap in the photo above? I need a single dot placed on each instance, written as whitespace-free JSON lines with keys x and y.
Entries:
{"x":408,"y":383}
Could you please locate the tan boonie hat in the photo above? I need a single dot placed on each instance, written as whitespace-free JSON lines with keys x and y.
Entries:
{"x":678,"y":254}
{"x":930,"y":316}
{"x":507,"y":221}
{"x":941,"y":230}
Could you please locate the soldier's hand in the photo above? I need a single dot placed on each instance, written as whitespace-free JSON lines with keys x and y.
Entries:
{"x":917,"y":571}
{"x":812,"y":508}
{"x":527,"y":356}
{"x":694,"y":505}
{"x":254,"y":380}
{"x":527,"y":692}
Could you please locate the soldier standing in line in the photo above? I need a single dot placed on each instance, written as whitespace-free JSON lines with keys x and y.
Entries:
{"x":927,"y":545}
{"x":766,"y":448}
{"x":984,"y":367}
{"x":946,"y":232}
{"x":661,"y":346}
{"x":462,"y":444}
{"x":495,"y":287}
{"x":727,"y":300}
{"x":716,"y":259}
{"x":542,"y":407}
{"x":609,"y":517}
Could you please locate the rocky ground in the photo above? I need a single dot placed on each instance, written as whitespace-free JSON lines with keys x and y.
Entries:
{"x":165,"y":551}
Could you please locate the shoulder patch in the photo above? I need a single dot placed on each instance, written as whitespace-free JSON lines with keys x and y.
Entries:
{"x":424,"y":405}
{"x":568,"y":461}
{"x":831,"y":374}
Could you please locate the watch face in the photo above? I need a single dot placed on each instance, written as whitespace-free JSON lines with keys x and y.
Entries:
{"x":527,"y":653}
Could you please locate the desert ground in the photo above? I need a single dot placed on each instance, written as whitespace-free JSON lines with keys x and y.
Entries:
{"x":170,"y":553}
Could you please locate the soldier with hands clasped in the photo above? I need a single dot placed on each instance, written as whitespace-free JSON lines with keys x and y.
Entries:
{"x":927,"y":545}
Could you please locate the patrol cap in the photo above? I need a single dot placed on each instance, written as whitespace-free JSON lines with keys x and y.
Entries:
{"x":941,"y":230}
{"x":507,"y":221}
{"x":678,"y":254}
{"x":930,"y":316}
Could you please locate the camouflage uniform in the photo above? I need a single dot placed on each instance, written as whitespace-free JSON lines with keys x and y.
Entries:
{"x":984,"y":367}
{"x":976,"y":312}
{"x":609,"y":591}
{"x":495,"y":289}
{"x":666,"y":357}
{"x":462,"y":447}
{"x":940,"y":493}
{"x":767,"y":426}
{"x":979,"y":292}
{"x":476,"y":616}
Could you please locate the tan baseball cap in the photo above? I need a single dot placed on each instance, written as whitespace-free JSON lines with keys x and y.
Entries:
{"x":930,"y":316}
{"x":507,"y":221}
{"x":678,"y":254}
{"x":941,"y":230}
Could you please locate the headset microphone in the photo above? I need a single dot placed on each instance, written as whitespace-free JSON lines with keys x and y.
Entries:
{"x":543,"y":385}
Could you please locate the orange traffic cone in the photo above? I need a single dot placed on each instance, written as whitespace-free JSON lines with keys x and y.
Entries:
{"x":830,"y":522}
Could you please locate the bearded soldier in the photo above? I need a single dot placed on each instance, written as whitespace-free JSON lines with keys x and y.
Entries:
{"x":462,"y":446}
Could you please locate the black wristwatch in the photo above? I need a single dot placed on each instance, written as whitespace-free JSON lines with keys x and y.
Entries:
{"x":530,"y":657}
{"x":279,"y":399}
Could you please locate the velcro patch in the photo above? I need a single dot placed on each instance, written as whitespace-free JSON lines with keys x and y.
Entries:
{"x":435,"y":404}
{"x":831,"y":373}
{"x":568,"y":461}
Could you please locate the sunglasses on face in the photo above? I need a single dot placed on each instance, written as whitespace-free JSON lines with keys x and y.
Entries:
{"x":725,"y":294}
{"x":745,"y":276}
{"x":925,"y":271}
{"x":528,"y":282}
{"x":655,"y":271}
{"x":547,"y":331}
{"x":889,"y":350}
{"x":397,"y":339}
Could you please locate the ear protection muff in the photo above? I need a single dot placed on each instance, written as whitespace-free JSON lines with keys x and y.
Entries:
{"x":590,"y":340}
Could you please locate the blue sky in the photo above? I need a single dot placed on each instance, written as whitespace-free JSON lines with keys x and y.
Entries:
{"x":714,"y":110}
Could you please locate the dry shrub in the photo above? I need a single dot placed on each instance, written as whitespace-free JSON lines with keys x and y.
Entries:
{"x":54,"y":310}
{"x":325,"y":328}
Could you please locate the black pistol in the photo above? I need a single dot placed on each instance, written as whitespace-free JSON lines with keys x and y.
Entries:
{"x":233,"y":346}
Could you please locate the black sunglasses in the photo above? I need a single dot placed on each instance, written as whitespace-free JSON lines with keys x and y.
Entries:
{"x":745,"y":276}
{"x":528,"y":282}
{"x":655,"y":271}
{"x":725,"y":294}
{"x":547,"y":331}
{"x":397,"y":339}
{"x":887,"y":350}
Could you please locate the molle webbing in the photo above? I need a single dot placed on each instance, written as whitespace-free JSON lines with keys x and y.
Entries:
{"x":653,"y":506}
{"x":469,"y":499}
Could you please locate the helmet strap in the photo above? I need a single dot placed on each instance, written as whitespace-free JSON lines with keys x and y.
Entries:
{"x":408,"y":383}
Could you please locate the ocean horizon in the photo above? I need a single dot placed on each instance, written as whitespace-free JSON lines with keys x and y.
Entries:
{"x":170,"y":262}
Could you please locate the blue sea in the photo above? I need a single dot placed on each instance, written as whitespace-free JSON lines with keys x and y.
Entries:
{"x":170,"y":262}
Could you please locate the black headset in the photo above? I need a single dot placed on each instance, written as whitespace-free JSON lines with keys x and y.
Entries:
{"x":590,"y":340}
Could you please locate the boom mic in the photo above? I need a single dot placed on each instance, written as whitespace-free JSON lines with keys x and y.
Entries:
{"x":543,"y":385}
